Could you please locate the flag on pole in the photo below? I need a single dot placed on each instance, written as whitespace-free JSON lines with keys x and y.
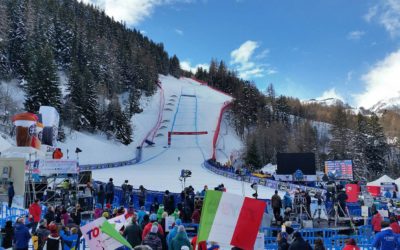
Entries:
{"x":230,"y":219}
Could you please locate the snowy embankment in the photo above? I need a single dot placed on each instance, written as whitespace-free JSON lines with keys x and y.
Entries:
{"x":189,"y":106}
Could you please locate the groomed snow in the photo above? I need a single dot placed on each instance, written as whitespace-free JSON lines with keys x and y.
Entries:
{"x":160,"y":167}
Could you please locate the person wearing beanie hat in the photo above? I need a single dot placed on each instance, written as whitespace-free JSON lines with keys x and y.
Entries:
{"x":174,"y":231}
{"x":152,"y":239}
{"x":180,"y":240}
{"x":42,"y":233}
{"x":160,"y":211}
{"x":147,"y":228}
{"x":110,"y":190}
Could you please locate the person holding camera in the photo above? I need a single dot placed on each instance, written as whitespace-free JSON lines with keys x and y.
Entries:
{"x":69,"y":238}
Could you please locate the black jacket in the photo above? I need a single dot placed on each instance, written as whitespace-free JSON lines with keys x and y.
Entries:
{"x":300,"y":244}
{"x":7,"y":234}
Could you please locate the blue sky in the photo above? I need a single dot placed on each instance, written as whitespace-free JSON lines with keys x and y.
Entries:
{"x":307,"y":49}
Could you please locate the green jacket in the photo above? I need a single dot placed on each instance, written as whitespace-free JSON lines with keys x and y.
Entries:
{"x":159,"y":213}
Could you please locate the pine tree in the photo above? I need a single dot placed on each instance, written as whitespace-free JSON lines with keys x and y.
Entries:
{"x":359,"y":143}
{"x":42,"y":81}
{"x":17,"y":37}
{"x":339,"y":131}
{"x":134,"y":101}
{"x":117,"y":123}
{"x":252,"y":157}
{"x":175,"y":67}
{"x":376,"y":148}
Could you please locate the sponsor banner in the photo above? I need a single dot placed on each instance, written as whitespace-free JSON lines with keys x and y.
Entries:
{"x":49,"y":167}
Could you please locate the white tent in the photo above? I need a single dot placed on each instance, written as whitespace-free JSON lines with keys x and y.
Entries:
{"x":397,"y":181}
{"x":378,"y":182}
{"x":23,"y":152}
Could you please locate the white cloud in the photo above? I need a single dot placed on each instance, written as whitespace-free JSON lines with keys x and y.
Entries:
{"x":349,"y":76}
{"x":381,"y":82}
{"x":242,"y":59}
{"x":179,"y":32}
{"x":130,"y":11}
{"x":330,"y":93}
{"x":355,"y":35}
{"x":386,"y":13}
{"x":186,"y":65}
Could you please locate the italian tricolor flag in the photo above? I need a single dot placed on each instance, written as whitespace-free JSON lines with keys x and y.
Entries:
{"x":230,"y":219}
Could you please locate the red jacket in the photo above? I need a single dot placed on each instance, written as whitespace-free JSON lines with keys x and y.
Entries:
{"x":36,"y":211}
{"x":376,"y":222}
{"x":196,"y":216}
{"x":147,"y":228}
{"x":350,"y":247}
{"x":395,"y":227}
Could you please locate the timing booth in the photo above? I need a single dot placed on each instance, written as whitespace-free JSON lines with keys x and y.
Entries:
{"x":296,"y":167}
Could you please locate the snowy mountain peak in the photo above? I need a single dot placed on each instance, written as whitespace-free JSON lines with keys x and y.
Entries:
{"x":326,"y":101}
{"x":386,"y":104}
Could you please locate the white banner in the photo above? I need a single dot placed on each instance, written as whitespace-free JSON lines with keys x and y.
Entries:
{"x":49,"y":167}
{"x":169,"y":221}
{"x":118,"y":221}
{"x":364,"y":211}
{"x":96,"y":239}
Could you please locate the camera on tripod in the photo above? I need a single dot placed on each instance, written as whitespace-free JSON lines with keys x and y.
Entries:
{"x":185,"y":173}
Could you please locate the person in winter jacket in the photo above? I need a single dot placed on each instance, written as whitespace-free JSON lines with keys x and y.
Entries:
{"x":175,"y":214}
{"x":101,"y":196}
{"x":10,"y":193}
{"x":196,"y":216}
{"x":154,"y":206}
{"x":276,"y":203}
{"x":394,"y":224}
{"x":319,"y":244}
{"x":282,"y":242}
{"x":42,"y":233}
{"x":299,"y":243}
{"x":70,"y":241}
{"x":168,"y":202}
{"x":133,"y":233}
{"x":50,"y":215}
{"x":386,"y":239}
{"x":145,"y":221}
{"x":152,"y":239}
{"x":160,"y":211}
{"x":35,"y":212}
{"x":180,"y":240}
{"x":54,"y":240}
{"x":351,"y":245}
{"x":8,"y":235}
{"x":287,"y":201}
{"x":142,"y":196}
{"x":140,"y":214}
{"x":110,"y":190}
{"x":21,"y":235}
{"x":376,"y":222}
{"x":64,"y":217}
{"x":147,"y":228}
{"x":174,"y":231}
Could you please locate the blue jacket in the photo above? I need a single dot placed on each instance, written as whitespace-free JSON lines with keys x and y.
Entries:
{"x":140,"y":216}
{"x":72,"y":239}
{"x":386,"y":240}
{"x":21,"y":236}
{"x":11,"y":192}
{"x":287,"y":201}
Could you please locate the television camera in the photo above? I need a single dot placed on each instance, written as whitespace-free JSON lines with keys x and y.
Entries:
{"x":185,"y":173}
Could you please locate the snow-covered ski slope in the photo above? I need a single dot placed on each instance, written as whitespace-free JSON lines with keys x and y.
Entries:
{"x":189,"y":107}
